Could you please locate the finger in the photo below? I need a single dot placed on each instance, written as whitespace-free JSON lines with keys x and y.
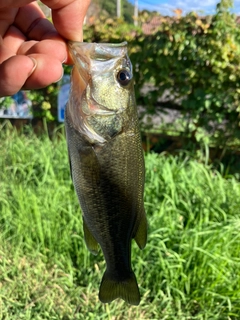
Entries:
{"x":56,"y":49}
{"x":20,"y":72}
{"x":13,"y":40}
{"x":16,"y":43}
{"x":13,"y":74}
{"x":47,"y":71}
{"x":31,"y":21}
{"x":7,"y":16}
{"x":5,"y":52}
{"x":39,"y":28}
{"x":68,"y":17}
{"x":13,"y":3}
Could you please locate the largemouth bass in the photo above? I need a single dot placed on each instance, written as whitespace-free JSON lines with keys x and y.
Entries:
{"x":106,"y":160}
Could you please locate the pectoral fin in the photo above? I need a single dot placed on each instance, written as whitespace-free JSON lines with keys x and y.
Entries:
{"x":140,"y":236}
{"x":91,"y":243}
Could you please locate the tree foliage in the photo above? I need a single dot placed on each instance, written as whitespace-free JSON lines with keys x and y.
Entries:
{"x":193,"y":61}
{"x":110,"y":7}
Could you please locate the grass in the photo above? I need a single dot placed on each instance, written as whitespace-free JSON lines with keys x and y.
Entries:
{"x":189,"y":269}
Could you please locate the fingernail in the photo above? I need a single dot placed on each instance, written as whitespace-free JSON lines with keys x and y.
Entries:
{"x":64,"y":60}
{"x":60,"y":77}
{"x":34,"y":66}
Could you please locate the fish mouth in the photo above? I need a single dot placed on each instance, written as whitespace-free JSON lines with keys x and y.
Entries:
{"x":80,"y":43}
{"x":95,"y":108}
{"x":96,"y":51}
{"x":99,"y":51}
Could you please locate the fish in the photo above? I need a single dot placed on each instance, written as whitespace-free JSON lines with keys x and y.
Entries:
{"x":106,"y":161}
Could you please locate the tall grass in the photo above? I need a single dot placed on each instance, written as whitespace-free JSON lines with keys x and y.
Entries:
{"x":189,"y":269}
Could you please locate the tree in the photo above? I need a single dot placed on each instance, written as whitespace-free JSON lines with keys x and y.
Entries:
{"x":111,"y":8}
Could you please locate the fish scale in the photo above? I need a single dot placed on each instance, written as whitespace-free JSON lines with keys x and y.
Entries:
{"x":106,"y":161}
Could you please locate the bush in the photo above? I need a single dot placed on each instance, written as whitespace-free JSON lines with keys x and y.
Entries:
{"x":193,"y":61}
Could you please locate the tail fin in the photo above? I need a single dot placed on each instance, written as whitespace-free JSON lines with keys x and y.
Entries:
{"x":111,"y":289}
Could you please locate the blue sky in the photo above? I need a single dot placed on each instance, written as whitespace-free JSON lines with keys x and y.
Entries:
{"x":166,"y":7}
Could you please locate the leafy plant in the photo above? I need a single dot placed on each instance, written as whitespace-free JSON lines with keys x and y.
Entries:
{"x":194,"y":62}
{"x":188,"y":63}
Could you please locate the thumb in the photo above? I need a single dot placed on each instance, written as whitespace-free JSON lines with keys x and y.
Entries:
{"x":68,"y":17}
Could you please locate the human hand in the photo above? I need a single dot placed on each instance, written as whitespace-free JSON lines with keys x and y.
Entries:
{"x":32,"y":49}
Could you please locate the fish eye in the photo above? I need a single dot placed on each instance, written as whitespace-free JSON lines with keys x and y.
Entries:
{"x":124,"y":77}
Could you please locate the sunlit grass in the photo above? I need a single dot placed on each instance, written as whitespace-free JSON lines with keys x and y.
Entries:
{"x":189,"y":269}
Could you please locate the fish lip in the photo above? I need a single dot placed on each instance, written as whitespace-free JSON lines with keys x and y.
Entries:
{"x":99,"y":50}
{"x":110,"y":45}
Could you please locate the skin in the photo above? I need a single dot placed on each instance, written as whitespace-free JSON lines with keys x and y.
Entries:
{"x":32,"y":49}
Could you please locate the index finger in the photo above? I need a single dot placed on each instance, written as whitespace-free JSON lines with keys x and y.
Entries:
{"x":68,"y":17}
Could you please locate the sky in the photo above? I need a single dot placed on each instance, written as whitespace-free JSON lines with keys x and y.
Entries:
{"x":166,"y":7}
